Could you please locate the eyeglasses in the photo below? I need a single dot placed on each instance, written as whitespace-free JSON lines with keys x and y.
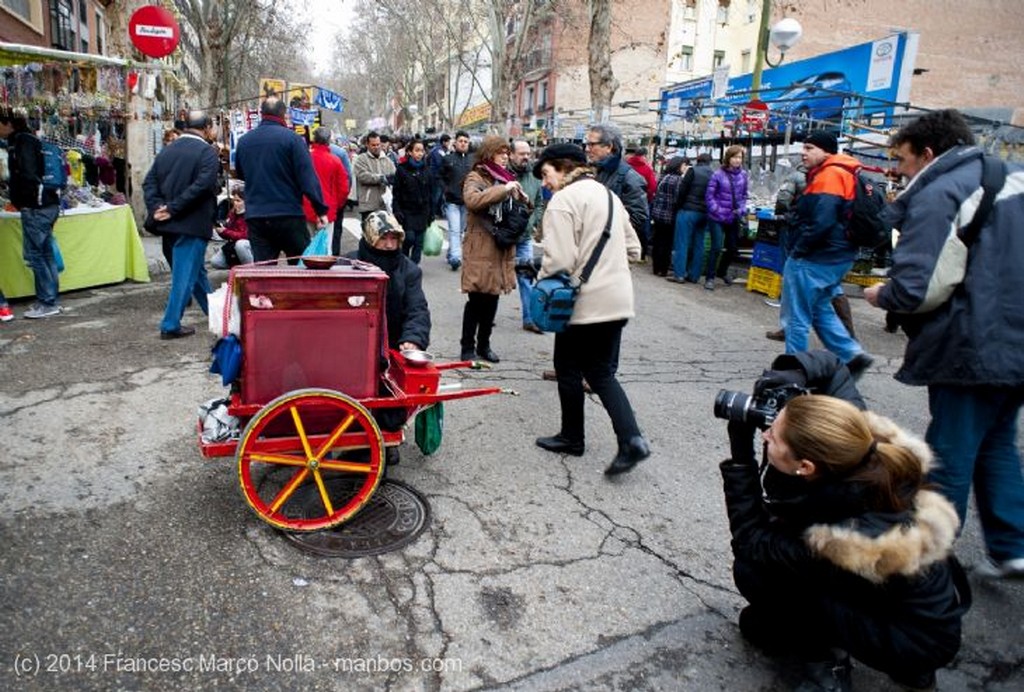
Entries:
{"x":594,"y":144}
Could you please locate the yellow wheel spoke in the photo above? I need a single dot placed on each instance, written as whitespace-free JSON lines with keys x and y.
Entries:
{"x":287,"y":490}
{"x":339,"y":465}
{"x":323,"y":493}
{"x":335,"y":436}
{"x":301,"y":431}
{"x":283,"y":459}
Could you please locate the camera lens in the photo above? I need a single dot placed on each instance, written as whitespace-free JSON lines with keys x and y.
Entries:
{"x":731,"y":405}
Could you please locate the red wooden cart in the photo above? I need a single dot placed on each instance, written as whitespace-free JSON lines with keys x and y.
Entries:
{"x":314,"y":369}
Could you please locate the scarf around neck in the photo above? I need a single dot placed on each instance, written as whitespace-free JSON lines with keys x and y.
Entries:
{"x":499,"y":173}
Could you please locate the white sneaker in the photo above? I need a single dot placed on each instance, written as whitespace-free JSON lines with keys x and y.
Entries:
{"x":1007,"y":569}
{"x":39,"y":311}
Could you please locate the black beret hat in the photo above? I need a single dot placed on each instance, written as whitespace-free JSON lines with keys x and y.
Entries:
{"x":572,"y":152}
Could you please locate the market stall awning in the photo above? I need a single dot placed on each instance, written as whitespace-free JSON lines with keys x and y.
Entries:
{"x":17,"y":54}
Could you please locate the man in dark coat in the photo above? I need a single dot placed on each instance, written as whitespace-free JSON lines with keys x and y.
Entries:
{"x":278,"y":172}
{"x":39,"y":207}
{"x":181,"y":195}
{"x":454,"y":170}
{"x":604,"y":152}
{"x":965,"y":340}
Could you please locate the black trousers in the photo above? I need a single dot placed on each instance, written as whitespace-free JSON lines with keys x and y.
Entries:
{"x":412,"y":246}
{"x":478,"y":321}
{"x":591,"y":351}
{"x":272,"y":235}
{"x":661,"y":246}
{"x":732,"y":239}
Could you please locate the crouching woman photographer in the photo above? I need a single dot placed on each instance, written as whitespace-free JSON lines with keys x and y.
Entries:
{"x":839,"y":549}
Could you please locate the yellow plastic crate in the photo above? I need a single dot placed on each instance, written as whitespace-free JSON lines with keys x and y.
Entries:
{"x":864,"y":279}
{"x":764,"y":281}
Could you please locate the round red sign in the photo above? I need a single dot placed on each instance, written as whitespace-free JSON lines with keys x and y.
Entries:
{"x":154,"y":31}
{"x":755,"y":114}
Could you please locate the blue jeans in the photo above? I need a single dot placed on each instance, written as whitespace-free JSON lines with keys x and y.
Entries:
{"x":524,"y":255}
{"x":690,"y":227}
{"x":807,"y":292}
{"x":37,"y":249}
{"x":456,"y":216}
{"x":973,"y":432}
{"x":188,"y":277}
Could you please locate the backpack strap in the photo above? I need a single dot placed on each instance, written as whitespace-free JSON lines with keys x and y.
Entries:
{"x":993,"y":176}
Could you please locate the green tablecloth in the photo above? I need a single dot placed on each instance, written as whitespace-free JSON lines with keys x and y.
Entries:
{"x":99,"y":246}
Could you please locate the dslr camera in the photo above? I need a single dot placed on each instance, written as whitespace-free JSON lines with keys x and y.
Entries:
{"x":760,"y":408}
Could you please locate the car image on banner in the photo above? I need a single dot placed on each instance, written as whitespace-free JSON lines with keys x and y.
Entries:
{"x":812,"y":98}
{"x":869,"y":81}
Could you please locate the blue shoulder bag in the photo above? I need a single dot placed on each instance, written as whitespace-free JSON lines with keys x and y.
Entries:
{"x":554,"y":297}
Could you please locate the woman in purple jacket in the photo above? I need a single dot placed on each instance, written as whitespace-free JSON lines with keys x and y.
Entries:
{"x":726,"y":198}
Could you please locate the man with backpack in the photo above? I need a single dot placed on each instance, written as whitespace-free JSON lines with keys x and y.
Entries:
{"x":39,"y":206}
{"x":820,"y":253}
{"x":960,"y":299}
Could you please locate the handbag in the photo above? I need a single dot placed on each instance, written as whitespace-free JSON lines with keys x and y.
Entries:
{"x":510,"y":220}
{"x":553,"y":298}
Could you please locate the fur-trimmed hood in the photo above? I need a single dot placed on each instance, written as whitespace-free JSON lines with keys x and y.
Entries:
{"x":912,"y":542}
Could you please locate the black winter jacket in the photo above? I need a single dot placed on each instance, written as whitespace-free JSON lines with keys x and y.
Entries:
{"x":619,"y":177}
{"x":693,"y":187}
{"x":413,"y":196}
{"x":406,"y":305}
{"x":184,"y":177}
{"x":454,"y":170}
{"x":824,"y":550}
{"x":25,"y":161}
{"x":820,"y":551}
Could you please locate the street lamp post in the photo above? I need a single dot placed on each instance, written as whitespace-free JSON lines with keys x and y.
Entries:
{"x":785,"y":34}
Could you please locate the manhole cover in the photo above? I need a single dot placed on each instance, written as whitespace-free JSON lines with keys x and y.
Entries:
{"x":394,"y":517}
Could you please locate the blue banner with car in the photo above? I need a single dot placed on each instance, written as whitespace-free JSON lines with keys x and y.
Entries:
{"x":866,"y":82}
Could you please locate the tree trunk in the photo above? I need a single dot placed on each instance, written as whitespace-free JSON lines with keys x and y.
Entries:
{"x":603,"y":84}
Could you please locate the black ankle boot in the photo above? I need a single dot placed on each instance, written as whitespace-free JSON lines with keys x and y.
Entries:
{"x":561,"y":445}
{"x":467,"y":354}
{"x":630,"y":454}
{"x":487,"y":354}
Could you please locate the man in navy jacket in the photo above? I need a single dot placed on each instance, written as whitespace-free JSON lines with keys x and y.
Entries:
{"x":39,"y":207}
{"x":277,"y":169}
{"x":181,"y":195}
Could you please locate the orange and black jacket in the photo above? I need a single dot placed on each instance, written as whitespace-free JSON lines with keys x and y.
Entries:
{"x":823,"y":212}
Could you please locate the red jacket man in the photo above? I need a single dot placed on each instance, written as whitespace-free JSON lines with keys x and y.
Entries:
{"x":333,"y":178}
{"x":641,"y":166}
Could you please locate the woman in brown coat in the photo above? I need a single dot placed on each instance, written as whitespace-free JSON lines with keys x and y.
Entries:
{"x":487,"y":270}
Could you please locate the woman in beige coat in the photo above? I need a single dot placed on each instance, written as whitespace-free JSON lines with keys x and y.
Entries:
{"x":574,"y":222}
{"x":487,"y":270}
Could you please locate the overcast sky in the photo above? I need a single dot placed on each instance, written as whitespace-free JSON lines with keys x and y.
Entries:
{"x":329,"y":17}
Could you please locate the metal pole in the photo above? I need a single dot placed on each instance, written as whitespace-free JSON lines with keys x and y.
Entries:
{"x":762,"y":48}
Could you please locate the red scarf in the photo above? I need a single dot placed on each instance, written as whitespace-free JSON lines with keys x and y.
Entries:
{"x":273,"y":118}
{"x":499,"y":173}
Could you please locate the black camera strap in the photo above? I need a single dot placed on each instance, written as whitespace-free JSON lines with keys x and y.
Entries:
{"x":605,"y":235}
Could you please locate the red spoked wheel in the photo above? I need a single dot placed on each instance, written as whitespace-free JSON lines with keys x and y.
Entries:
{"x":297,"y":443}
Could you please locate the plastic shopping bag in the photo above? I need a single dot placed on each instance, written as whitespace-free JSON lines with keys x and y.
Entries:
{"x":319,"y":246}
{"x":433,"y":239}
{"x":430,"y":428}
